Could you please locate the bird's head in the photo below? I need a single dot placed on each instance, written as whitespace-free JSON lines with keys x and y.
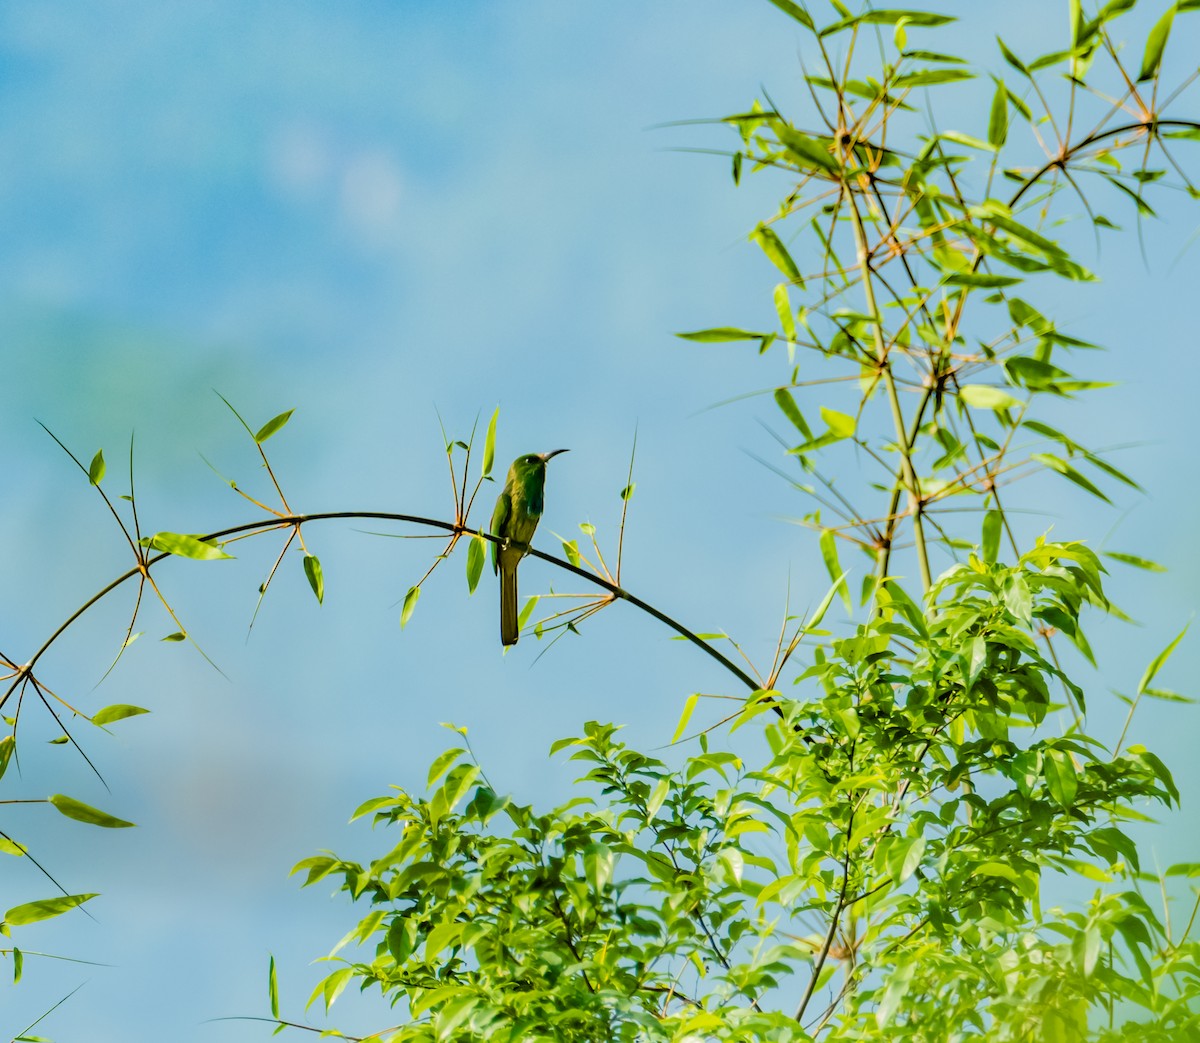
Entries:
{"x":532,"y":462}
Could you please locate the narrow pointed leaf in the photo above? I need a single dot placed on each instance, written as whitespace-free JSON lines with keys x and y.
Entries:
{"x":998,"y":120}
{"x":316,"y":577}
{"x":272,"y":425}
{"x":720,"y":334}
{"x":82,"y":812}
{"x":787,"y":405}
{"x":829,"y":553}
{"x":795,"y":11}
{"x":689,"y":707}
{"x":410,"y":603}
{"x":116,"y":712}
{"x":777,"y":253}
{"x":31,"y":912}
{"x":1157,"y":662}
{"x":475,"y":557}
{"x":992,"y":524}
{"x":981,"y":396}
{"x":1156,"y":43}
{"x":186,"y":546}
{"x":273,"y":989}
{"x":96,"y":470}
{"x":489,"y":444}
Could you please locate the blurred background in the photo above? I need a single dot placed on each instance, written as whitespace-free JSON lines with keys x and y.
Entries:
{"x":375,"y":214}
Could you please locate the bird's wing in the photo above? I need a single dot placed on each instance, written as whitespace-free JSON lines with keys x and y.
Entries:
{"x":500,"y":517}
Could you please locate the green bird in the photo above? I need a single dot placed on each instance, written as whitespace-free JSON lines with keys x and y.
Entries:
{"x":515,"y":519}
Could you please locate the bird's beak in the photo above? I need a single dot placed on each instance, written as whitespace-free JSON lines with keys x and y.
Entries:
{"x":546,"y":456}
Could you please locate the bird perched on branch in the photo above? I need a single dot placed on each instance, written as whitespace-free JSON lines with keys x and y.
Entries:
{"x":515,"y":519}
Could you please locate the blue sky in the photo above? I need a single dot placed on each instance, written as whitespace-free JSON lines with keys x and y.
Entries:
{"x":369,"y":212}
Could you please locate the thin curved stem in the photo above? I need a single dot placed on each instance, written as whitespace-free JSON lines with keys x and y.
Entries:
{"x":297,"y":520}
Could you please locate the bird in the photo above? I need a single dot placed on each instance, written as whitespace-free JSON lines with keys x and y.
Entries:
{"x":515,"y":519}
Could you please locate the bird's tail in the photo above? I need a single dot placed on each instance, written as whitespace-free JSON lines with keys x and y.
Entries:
{"x":508,"y":604}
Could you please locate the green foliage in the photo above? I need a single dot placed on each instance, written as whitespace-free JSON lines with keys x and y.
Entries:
{"x":873,"y":862}
{"x":868,"y":850}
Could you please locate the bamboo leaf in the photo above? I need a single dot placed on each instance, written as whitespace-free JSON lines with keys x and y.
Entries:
{"x":828,"y":543}
{"x":96,"y":470}
{"x":410,"y":603}
{"x":316,"y":577}
{"x":489,"y":444}
{"x":82,"y":812}
{"x":272,"y":426}
{"x":688,"y":707}
{"x":981,"y":396}
{"x":787,"y":405}
{"x":1136,"y":562}
{"x":841,"y":425}
{"x":998,"y":119}
{"x":475,"y":557}
{"x":185,"y":546}
{"x":720,"y":334}
{"x":31,"y":912}
{"x":116,"y":712}
{"x":1157,"y":662}
{"x":777,"y":253}
{"x":783,"y":307}
{"x":1156,"y":43}
{"x":795,"y":11}
{"x":993,"y":523}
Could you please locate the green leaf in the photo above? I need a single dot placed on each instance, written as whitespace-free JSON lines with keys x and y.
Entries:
{"x":116,"y":712}
{"x":186,"y":546}
{"x":476,"y":553}
{"x":82,"y":812}
{"x":96,"y":471}
{"x":795,"y":11}
{"x":688,"y":707}
{"x":598,"y":863}
{"x":31,"y":912}
{"x":841,"y":425}
{"x":807,"y":151}
{"x":571,"y":550}
{"x":965,"y":139}
{"x":1056,"y":463}
{"x":783,"y":308}
{"x":410,"y":602}
{"x":7,"y":745}
{"x":993,"y":524}
{"x":828,"y":543}
{"x":903,"y":858}
{"x":1135,"y":561}
{"x":443,"y":763}
{"x":720,"y":334}
{"x":984,"y":279}
{"x":1012,"y":59}
{"x":627,"y":492}
{"x":982,"y":396}
{"x":777,"y":253}
{"x":787,"y":404}
{"x":998,"y":120}
{"x":1156,"y":42}
{"x":316,"y":578}
{"x":272,"y":425}
{"x":489,"y":444}
{"x":179,"y":635}
{"x":1157,"y":662}
{"x":273,"y":989}
{"x":1060,"y":775}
